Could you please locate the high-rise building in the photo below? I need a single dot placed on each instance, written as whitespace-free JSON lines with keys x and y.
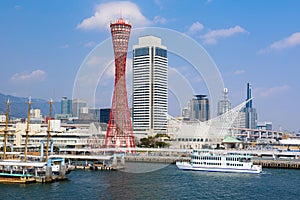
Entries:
{"x":77,"y":105}
{"x":250,"y":112}
{"x":150,"y":86}
{"x":224,"y":104}
{"x":66,"y":106}
{"x":199,"y":108}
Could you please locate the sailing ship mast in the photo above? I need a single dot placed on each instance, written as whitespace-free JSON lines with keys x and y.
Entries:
{"x":48,"y":130}
{"x":27,"y":129}
{"x":6,"y":129}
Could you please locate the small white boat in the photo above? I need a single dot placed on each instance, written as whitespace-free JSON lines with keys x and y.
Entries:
{"x":208,"y":160}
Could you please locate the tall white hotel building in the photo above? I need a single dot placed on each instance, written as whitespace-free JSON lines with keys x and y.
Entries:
{"x":150,"y":86}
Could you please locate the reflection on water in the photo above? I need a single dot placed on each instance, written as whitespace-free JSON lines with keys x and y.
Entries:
{"x":166,"y":183}
{"x":141,"y":167}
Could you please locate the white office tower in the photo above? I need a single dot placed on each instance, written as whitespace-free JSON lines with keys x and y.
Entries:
{"x":150,"y":86}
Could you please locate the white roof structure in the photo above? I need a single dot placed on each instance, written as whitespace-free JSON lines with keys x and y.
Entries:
{"x":214,"y":128}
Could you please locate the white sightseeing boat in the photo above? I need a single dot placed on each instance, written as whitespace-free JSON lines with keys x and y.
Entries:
{"x":208,"y":160}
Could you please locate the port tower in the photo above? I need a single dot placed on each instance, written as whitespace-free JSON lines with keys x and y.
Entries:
{"x":119,"y":131}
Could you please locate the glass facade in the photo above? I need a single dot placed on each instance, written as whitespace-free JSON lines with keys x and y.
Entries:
{"x":66,"y":106}
{"x":199,"y":108}
{"x":141,"y":52}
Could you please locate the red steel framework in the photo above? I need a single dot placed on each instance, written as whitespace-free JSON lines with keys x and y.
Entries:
{"x":119,"y":131}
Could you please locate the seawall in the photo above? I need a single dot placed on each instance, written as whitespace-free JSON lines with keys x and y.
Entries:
{"x":284,"y":164}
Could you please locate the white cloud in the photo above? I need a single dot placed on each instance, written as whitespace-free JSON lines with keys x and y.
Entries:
{"x":195,"y":27}
{"x":90,"y":44}
{"x":239,"y":72}
{"x":106,"y":12}
{"x":291,"y":41}
{"x":36,"y":75}
{"x":212,"y":36}
{"x":160,"y":20}
{"x":273,"y":91}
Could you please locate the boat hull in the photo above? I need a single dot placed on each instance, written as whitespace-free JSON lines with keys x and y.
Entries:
{"x":188,"y":166}
{"x":16,"y":178}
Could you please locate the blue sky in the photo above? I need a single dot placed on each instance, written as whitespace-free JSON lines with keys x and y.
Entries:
{"x":43,"y":44}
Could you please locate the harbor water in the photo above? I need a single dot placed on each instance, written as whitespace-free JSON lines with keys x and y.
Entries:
{"x":165,"y":183}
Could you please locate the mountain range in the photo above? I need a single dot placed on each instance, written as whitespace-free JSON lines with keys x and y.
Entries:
{"x":18,"y":106}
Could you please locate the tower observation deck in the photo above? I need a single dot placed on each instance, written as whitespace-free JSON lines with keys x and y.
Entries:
{"x":119,"y":131}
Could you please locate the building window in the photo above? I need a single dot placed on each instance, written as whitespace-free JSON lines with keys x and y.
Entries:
{"x":160,"y":52}
{"x":141,"y":52}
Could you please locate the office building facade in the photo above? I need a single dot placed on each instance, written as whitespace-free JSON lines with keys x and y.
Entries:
{"x":77,"y":107}
{"x":199,"y":108}
{"x":66,"y":106}
{"x":150,"y":86}
{"x":250,"y":112}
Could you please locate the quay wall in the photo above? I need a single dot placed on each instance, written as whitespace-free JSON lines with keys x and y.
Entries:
{"x":284,"y":164}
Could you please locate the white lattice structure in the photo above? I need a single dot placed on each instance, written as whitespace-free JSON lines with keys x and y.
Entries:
{"x":193,"y":134}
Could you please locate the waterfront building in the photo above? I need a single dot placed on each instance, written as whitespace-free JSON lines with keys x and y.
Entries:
{"x":63,"y":135}
{"x":264,"y":126}
{"x":224,"y":105}
{"x":66,"y":106}
{"x":77,"y":105}
{"x":199,"y":108}
{"x":196,"y":134}
{"x":150,"y":86}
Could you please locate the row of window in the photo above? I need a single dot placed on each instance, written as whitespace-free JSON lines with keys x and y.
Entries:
{"x":206,"y":163}
{"x":145,"y":51}
{"x":234,"y":165}
{"x":206,"y":157}
{"x":192,"y":140}
{"x":233,"y":159}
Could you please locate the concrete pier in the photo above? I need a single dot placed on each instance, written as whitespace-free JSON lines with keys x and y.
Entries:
{"x":283,"y":164}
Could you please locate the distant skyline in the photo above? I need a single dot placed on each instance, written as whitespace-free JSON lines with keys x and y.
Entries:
{"x":43,"y":44}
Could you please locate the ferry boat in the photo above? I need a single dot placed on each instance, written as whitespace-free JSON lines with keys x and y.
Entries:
{"x":208,"y":160}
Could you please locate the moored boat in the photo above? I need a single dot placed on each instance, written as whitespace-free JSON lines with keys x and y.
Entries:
{"x":16,"y":178}
{"x":208,"y":160}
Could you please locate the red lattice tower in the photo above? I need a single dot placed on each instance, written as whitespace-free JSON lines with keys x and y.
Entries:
{"x":119,"y":131}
